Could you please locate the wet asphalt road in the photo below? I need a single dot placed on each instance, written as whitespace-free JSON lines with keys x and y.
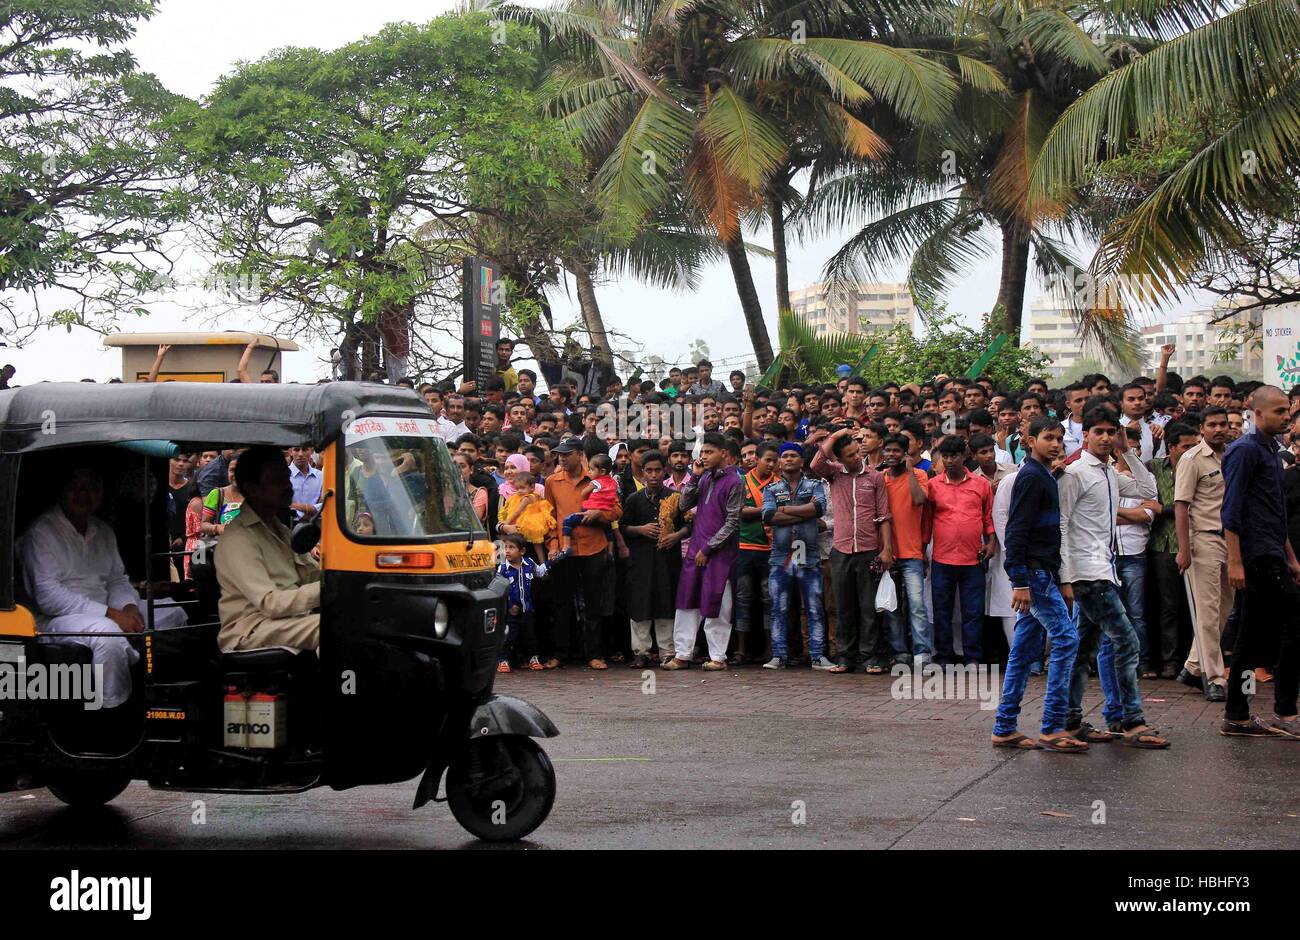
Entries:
{"x":748,"y":759}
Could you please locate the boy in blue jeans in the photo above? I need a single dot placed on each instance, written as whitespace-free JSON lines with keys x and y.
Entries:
{"x":520,"y":571}
{"x":1033,"y":562}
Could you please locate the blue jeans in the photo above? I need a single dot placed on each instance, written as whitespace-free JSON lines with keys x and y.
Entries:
{"x":909,"y":578}
{"x":808,"y":578}
{"x":1101,"y":616}
{"x":1132,"y":571}
{"x":1047,"y":614}
{"x":946,"y":582}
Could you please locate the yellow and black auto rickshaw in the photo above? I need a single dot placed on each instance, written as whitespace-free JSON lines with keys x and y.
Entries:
{"x":411,"y":615}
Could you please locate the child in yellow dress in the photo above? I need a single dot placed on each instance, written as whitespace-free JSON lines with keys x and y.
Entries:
{"x":528,"y":509}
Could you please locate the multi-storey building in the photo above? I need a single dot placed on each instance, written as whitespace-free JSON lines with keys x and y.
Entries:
{"x":864,"y":308}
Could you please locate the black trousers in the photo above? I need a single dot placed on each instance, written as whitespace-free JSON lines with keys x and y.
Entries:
{"x":1174,"y":618}
{"x":579,"y":591}
{"x":1267,"y":634}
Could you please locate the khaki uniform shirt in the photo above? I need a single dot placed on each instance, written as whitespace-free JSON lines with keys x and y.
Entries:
{"x":261,"y":578}
{"x":1199,"y":483}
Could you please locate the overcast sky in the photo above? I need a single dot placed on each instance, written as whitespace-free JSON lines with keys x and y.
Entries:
{"x":190,"y":43}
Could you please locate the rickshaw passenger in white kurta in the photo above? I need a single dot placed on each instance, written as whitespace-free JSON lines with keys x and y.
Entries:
{"x":78,"y":583}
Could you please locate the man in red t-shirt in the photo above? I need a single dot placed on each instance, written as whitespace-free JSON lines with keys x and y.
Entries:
{"x":962,"y":504}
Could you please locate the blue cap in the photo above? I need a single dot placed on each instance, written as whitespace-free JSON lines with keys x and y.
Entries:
{"x":843,"y":370}
{"x":788,"y":446}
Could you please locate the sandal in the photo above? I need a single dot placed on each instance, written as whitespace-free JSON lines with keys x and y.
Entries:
{"x":551,"y":663}
{"x":597,"y":664}
{"x":1016,"y":742}
{"x":1063,"y":744}
{"x":1143,"y":736}
{"x":1086,"y":732}
{"x":875,"y":670}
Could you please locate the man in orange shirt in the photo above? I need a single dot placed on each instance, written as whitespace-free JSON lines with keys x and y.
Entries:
{"x":909,"y":491}
{"x":963,"y":531}
{"x":590,"y":567}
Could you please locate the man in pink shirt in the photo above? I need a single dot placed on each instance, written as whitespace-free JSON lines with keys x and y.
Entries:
{"x":862,"y":547}
{"x":963,"y":540}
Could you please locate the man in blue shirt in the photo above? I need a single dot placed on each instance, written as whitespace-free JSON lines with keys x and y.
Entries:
{"x":1262,"y":562}
{"x":306,"y":481}
{"x":792,"y":504}
{"x":1032,"y":559}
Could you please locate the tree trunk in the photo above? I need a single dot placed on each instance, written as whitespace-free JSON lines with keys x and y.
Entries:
{"x":348,"y":351}
{"x":749,"y":304}
{"x":776,"y":211}
{"x":1015,"y":272}
{"x":370,"y":347}
{"x":591,"y":317}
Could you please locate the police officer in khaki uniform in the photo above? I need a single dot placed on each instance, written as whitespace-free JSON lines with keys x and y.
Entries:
{"x":1203,"y":553}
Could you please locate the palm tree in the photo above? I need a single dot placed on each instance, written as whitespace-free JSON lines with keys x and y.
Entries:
{"x":681,"y":96}
{"x":943,"y":200}
{"x":1239,"y":67}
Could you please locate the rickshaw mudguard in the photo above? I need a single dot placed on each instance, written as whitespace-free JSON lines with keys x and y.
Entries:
{"x":499,"y":715}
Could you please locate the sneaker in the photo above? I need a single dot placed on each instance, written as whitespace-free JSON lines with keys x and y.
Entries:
{"x":715,"y":665}
{"x":776,"y":662}
{"x":503,"y":666}
{"x":1284,"y":728}
{"x":1254,"y":728}
{"x":1186,"y":678}
{"x":1216,"y":693}
{"x":825,"y":665}
{"x":535,"y":664}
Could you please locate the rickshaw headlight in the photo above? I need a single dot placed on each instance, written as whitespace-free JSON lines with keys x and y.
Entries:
{"x":441,"y":620}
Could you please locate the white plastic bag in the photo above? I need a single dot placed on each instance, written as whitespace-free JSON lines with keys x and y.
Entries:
{"x":886,"y":594}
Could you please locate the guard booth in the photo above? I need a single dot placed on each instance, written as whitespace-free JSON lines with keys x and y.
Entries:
{"x":198,"y":357}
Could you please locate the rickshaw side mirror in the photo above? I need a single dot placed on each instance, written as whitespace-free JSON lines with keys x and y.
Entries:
{"x":305,"y":535}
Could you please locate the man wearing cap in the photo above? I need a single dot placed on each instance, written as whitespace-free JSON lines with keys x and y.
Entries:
{"x":589,"y":566}
{"x":792,"y":504}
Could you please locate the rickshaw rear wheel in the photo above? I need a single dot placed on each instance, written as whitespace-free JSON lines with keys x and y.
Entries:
{"x":82,"y":788}
{"x":502,"y":789}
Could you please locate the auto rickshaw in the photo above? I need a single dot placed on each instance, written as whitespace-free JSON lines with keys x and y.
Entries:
{"x":412,"y":612}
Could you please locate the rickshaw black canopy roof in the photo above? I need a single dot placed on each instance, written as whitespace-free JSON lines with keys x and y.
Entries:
{"x":190,"y":412}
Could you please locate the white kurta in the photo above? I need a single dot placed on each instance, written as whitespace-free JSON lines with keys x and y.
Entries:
{"x":997,"y":586}
{"x":73,"y":580}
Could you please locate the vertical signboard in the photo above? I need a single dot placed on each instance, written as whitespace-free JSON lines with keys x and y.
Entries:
{"x":482,"y":302}
{"x":1282,"y":346}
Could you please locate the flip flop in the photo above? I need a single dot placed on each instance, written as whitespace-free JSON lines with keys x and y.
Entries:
{"x":1064,"y":744}
{"x":1131,"y":739}
{"x":1017,"y":742}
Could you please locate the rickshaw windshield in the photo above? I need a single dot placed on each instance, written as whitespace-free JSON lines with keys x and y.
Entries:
{"x":400,"y":482}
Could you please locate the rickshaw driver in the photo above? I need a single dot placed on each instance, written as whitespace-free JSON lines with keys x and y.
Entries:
{"x":269,"y":595}
{"x":79,"y":584}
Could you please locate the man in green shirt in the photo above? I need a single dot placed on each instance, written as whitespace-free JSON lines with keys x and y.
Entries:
{"x":1163,"y":547}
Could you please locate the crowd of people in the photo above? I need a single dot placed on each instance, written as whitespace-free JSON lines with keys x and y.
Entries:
{"x":1135,"y":531}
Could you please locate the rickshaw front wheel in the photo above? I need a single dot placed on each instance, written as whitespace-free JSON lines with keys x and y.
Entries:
{"x":502,"y":788}
{"x":82,"y":788}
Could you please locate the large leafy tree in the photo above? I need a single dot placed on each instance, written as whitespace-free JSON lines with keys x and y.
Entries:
{"x":88,"y":194}
{"x":692,"y":98}
{"x":1224,"y":96}
{"x":317,"y":171}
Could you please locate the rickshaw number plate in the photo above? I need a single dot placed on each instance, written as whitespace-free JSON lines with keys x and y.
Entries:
{"x":489,"y":621}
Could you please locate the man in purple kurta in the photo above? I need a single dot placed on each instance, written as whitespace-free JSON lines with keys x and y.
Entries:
{"x":717,"y":493}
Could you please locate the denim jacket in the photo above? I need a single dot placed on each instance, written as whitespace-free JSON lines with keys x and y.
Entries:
{"x":777,"y":495}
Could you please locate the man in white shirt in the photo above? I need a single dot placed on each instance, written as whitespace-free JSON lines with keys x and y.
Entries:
{"x":77,"y":581}
{"x":452,"y":420}
{"x":1090,"y":492}
{"x":1075,"y":396}
{"x":1133,"y":400}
